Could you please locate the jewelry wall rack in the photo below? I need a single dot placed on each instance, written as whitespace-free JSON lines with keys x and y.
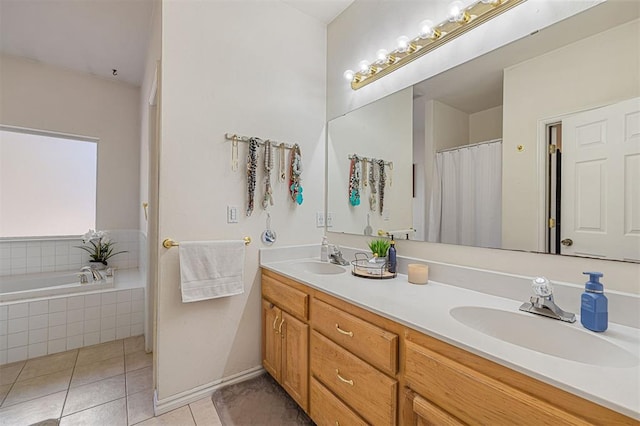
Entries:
{"x":361,"y":158}
{"x":240,"y":138}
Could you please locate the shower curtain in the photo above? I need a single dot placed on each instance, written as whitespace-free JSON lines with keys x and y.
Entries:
{"x":466,"y":199}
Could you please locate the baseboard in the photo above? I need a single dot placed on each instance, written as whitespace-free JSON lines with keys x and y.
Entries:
{"x":183,"y":398}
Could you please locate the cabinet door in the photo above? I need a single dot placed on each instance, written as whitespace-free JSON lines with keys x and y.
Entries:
{"x":428,"y":414}
{"x":271,"y":340}
{"x":295,"y":359}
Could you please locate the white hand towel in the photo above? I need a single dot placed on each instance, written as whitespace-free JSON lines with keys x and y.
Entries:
{"x":211,"y":269}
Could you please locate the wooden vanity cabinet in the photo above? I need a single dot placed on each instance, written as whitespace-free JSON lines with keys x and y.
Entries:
{"x":285,"y":338}
{"x":345,"y":365}
{"x":450,"y":386}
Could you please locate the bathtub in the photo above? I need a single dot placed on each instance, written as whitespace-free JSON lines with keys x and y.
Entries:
{"x":32,"y":286}
{"x":42,"y":314}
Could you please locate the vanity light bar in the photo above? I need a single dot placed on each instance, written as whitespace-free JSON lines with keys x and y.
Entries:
{"x":460,"y":21}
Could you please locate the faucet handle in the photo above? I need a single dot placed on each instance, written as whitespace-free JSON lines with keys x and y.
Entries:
{"x":542,"y":287}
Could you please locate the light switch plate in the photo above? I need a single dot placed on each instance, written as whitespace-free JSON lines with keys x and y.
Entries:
{"x":232,"y":214}
{"x":319,"y":219}
{"x":329,"y":220}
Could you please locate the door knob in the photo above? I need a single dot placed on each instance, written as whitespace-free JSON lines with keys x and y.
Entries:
{"x":567,"y":242}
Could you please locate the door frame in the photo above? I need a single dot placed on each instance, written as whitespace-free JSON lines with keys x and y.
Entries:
{"x":542,"y":164}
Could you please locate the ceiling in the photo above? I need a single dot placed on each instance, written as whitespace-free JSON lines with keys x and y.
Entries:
{"x":94,"y":36}
{"x":98,"y":36}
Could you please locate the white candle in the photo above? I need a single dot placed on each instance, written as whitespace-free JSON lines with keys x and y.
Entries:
{"x":418,"y":274}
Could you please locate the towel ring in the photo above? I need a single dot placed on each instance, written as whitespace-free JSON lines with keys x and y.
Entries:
{"x":168,"y":242}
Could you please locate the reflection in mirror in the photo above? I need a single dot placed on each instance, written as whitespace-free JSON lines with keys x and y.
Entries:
{"x":366,"y":196}
{"x":573,"y":86}
{"x":47,"y":183}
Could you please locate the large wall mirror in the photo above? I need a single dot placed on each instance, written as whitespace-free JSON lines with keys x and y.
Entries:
{"x":534,"y":146}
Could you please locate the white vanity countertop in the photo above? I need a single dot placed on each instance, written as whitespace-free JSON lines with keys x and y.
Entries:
{"x":425,"y":308}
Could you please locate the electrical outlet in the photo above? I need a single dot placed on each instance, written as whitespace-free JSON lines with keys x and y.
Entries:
{"x":319,"y":219}
{"x":232,"y":214}
{"x":329,"y":219}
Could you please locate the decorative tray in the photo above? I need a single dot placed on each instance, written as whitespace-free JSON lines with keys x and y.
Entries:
{"x":364,"y":268}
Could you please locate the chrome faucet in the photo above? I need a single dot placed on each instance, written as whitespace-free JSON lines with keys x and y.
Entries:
{"x":542,"y":303}
{"x":97,"y":276}
{"x":336,"y":256}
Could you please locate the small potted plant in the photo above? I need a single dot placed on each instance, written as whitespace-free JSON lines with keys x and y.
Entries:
{"x":379,"y":249}
{"x":100,"y":248}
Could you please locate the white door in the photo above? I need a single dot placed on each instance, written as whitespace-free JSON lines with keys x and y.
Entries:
{"x":601,"y":182}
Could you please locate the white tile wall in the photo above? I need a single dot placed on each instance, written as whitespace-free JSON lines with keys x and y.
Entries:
{"x":26,"y":256}
{"x":33,"y":329}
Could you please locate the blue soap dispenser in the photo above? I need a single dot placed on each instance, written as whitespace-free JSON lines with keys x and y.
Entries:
{"x":594,"y":313}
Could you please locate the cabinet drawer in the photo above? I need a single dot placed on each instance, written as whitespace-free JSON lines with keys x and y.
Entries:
{"x":289,"y":299}
{"x":327,"y":409}
{"x":369,"y":392}
{"x":473,"y":397}
{"x":371,"y":343}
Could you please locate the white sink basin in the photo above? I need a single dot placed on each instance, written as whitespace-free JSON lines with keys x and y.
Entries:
{"x":320,"y":268}
{"x":545,"y":335}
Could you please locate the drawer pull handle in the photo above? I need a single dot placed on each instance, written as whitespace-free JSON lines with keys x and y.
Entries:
{"x":274,"y":324}
{"x":337,"y":423}
{"x":341,"y":331}
{"x":280,"y":327}
{"x":342,"y":379}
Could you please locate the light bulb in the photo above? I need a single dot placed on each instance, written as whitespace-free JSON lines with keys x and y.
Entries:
{"x":348,"y":75}
{"x":382,"y":55}
{"x":403,"y":43}
{"x":426,"y":29}
{"x":456,"y":11}
{"x":364,"y":66}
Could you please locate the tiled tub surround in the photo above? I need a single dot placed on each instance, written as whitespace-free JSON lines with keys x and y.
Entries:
{"x":425,"y":308}
{"x":42,"y":326}
{"x":36,"y":255}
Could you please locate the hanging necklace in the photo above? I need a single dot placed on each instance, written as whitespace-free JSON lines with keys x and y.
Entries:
{"x":234,"y":154}
{"x":268,"y":165}
{"x":295,"y":170}
{"x":372,"y":184}
{"x":283,"y":172}
{"x":252,"y":164}
{"x":382,"y":182}
{"x":365,"y":176}
{"x":354,"y":181}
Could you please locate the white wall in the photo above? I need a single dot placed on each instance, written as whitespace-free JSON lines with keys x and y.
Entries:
{"x":485,"y":125}
{"x":449,"y":127}
{"x":564,"y":81}
{"x":351,"y":38}
{"x":382,"y":130}
{"x":44,"y":97}
{"x":256,"y":69}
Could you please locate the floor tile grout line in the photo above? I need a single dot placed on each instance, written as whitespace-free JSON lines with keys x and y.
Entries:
{"x":12,"y":385}
{"x":35,"y":397}
{"x":66,"y":396}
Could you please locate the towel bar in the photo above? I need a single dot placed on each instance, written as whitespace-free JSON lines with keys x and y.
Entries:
{"x":168,"y":242}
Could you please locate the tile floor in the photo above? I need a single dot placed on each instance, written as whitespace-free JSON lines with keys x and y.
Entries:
{"x":107,"y":384}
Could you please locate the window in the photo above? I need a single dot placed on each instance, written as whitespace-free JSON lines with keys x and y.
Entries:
{"x":47,"y":183}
